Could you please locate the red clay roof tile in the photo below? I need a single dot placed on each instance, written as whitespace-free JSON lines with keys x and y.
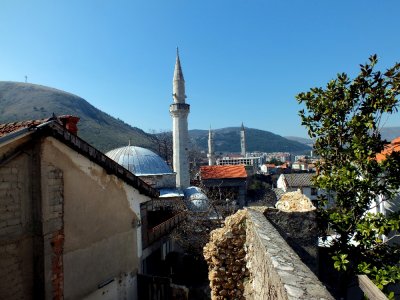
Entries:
{"x":15,"y":126}
{"x":227,"y":171}
{"x":393,"y":146}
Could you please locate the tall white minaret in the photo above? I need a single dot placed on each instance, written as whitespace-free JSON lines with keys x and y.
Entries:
{"x":210,"y":154}
{"x":179,"y":111}
{"x":242,"y":141}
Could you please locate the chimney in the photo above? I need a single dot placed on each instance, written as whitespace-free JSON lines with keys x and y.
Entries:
{"x":69,"y":122}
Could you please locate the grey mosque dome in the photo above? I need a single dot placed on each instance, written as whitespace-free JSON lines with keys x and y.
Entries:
{"x":196,"y":200}
{"x":140,"y":161}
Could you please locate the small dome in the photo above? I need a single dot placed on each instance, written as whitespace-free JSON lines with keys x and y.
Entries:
{"x":196,"y":200}
{"x":140,"y":161}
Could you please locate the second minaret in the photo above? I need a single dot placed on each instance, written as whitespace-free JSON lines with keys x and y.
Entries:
{"x":210,"y":154}
{"x":242,"y":141}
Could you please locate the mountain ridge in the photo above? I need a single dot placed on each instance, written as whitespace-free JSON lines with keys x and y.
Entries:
{"x":227,"y":140}
{"x":26,"y":101}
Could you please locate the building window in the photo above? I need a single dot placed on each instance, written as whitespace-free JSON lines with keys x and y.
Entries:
{"x":314,"y":192}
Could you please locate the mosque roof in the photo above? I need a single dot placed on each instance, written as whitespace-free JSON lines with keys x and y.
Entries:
{"x":170,"y":192}
{"x":196,"y":200}
{"x":140,"y":161}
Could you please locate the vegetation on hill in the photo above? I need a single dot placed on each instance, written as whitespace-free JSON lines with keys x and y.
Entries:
{"x":308,"y":142}
{"x":25,"y":101}
{"x":228,"y":140}
{"x":387,"y":133}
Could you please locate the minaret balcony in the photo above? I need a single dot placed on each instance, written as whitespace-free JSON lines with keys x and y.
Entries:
{"x":179,"y":108}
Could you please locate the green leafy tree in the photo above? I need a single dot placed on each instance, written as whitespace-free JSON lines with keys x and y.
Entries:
{"x":345,"y":119}
{"x":275,"y":162}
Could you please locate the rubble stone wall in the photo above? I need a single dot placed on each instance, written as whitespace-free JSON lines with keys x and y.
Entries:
{"x":225,"y":256}
{"x":270,"y":269}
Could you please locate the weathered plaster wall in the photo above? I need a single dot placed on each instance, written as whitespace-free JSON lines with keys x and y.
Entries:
{"x":100,"y":216}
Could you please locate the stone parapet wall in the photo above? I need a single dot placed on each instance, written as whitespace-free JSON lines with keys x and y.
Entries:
{"x":249,"y":259}
{"x":300,"y":231}
{"x":276,"y":271}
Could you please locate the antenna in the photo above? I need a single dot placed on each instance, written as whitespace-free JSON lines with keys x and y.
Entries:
{"x":26,"y":79}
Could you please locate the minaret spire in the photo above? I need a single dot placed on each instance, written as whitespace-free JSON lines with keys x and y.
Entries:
{"x":210,"y":154}
{"x":179,"y":81}
{"x":179,"y":111}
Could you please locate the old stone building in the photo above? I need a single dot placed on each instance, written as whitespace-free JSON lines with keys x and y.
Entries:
{"x":69,"y":216}
{"x":230,"y":180}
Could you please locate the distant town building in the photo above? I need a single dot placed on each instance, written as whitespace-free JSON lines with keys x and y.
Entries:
{"x":299,"y":181}
{"x":300,"y":166}
{"x":300,"y":157}
{"x":268,"y":169}
{"x":252,"y":164}
{"x":279,"y":156}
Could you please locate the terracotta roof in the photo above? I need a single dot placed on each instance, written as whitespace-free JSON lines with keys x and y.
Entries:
{"x":67,"y":121}
{"x":393,"y":146}
{"x":298,"y":179}
{"x":227,"y":171}
{"x":15,"y":126}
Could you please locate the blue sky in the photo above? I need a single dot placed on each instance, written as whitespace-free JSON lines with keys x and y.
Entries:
{"x":243,"y":60}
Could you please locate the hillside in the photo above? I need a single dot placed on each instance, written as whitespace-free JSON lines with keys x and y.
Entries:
{"x":301,"y":140}
{"x":228,"y":140}
{"x":388,"y":133}
{"x":25,"y":101}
